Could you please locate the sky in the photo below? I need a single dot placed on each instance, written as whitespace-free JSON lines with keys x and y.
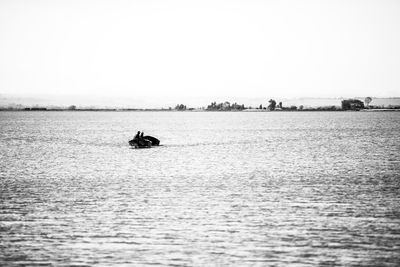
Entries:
{"x":243,"y":48}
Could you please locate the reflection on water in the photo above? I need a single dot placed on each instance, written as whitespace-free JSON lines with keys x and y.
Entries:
{"x":288,"y":188}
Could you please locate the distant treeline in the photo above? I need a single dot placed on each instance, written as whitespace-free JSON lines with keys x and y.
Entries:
{"x":226,"y":106}
{"x":271,"y":105}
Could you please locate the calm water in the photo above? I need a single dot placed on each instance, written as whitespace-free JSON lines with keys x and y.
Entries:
{"x":241,"y":189}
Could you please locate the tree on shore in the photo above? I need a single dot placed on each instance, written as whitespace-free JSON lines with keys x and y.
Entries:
{"x":367,"y":100}
{"x":272,"y":104}
{"x":226,"y":106}
{"x":180,"y":107}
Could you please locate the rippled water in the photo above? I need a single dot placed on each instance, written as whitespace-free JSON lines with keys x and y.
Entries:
{"x":243,"y":189}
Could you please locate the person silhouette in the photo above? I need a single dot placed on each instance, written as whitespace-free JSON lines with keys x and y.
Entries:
{"x":137,"y":135}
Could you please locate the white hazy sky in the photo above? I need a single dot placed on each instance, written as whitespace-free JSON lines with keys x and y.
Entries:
{"x":200,"y":48}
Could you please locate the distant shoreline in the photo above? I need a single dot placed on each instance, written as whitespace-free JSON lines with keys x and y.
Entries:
{"x":273,"y":106}
{"x":198,"y":110}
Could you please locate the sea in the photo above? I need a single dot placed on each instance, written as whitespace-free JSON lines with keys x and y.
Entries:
{"x":223,"y":189}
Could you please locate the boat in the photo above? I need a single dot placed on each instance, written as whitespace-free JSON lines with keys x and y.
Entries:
{"x":145,"y":142}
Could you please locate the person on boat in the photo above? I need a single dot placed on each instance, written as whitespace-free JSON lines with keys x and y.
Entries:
{"x":142,"y":141}
{"x":137,"y":136}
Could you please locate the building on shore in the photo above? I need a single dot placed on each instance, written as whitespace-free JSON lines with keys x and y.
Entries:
{"x":352,"y":104}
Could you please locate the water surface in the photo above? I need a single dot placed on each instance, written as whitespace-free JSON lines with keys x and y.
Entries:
{"x":234,"y":188}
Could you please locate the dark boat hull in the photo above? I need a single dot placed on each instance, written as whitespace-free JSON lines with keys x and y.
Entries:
{"x":154,"y":141}
{"x":147,"y":142}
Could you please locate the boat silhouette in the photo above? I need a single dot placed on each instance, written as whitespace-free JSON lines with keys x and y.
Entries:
{"x":145,"y":142}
